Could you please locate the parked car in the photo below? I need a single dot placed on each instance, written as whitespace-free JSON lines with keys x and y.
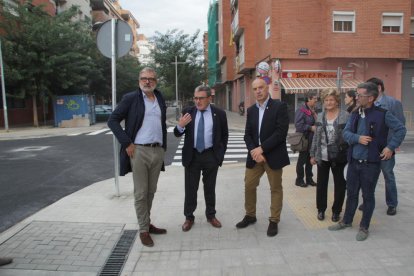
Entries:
{"x":102,"y":112}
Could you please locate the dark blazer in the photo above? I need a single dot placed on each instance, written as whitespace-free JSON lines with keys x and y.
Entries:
{"x":274,"y":129}
{"x":132,"y":110}
{"x":220,"y":135}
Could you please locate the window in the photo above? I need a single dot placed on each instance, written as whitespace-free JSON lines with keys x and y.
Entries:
{"x":412,"y":26}
{"x":267,"y":28}
{"x":343,"y":22}
{"x":392,"y":23}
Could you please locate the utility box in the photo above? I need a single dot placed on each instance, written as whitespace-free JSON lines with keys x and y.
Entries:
{"x":73,"y":111}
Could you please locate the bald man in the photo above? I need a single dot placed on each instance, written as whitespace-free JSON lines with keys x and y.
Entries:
{"x":267,"y":125}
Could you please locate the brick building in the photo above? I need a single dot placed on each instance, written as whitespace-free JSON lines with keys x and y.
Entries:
{"x":309,"y":44}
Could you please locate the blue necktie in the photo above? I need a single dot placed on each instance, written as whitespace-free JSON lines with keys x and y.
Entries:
{"x":200,"y":133}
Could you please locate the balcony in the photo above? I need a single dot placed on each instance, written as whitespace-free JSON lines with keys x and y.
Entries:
{"x":235,"y":28}
{"x":98,"y":5}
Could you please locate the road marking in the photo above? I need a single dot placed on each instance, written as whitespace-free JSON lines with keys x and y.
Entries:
{"x":30,"y":148}
{"x":98,"y":131}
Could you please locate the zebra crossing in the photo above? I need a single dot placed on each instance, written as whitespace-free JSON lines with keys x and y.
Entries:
{"x":107,"y":131}
{"x":236,"y":150}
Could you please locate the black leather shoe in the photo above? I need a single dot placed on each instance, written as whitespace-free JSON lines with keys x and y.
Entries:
{"x":310,"y":182}
{"x":392,"y":211}
{"x":5,"y":261}
{"x":361,"y":207}
{"x":247,"y":220}
{"x":301,"y":183}
{"x":321,"y":215}
{"x":335,"y":217}
{"x":272,"y":229}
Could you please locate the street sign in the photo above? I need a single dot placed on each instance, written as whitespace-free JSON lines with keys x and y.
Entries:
{"x":123,"y":38}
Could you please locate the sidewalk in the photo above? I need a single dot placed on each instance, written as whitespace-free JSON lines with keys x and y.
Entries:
{"x":75,"y":235}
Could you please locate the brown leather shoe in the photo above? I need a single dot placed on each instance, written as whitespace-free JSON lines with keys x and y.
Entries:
{"x":187,"y":225}
{"x":146,"y":239}
{"x":157,"y":231}
{"x":215,"y":222}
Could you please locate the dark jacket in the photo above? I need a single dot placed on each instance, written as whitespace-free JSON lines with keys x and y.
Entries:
{"x":273,"y":132}
{"x":377,"y":127}
{"x":304,"y":120}
{"x":220,"y":135}
{"x":132,"y":110}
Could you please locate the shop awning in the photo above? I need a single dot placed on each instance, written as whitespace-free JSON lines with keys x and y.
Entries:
{"x":302,"y":85}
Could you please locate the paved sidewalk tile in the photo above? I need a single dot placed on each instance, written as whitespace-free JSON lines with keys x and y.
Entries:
{"x":61,"y":246}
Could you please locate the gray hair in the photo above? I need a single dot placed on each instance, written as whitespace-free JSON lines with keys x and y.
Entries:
{"x":372,"y":88}
{"x":148,"y":69}
{"x":204,"y":88}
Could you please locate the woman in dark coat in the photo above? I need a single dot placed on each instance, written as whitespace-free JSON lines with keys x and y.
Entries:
{"x":305,"y":117}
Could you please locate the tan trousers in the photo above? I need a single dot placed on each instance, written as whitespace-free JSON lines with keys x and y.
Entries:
{"x":146,"y":166}
{"x":252,"y":180}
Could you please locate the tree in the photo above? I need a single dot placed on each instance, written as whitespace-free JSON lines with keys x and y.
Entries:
{"x":45,"y":55}
{"x":187,"y":49}
{"x":127,"y":70}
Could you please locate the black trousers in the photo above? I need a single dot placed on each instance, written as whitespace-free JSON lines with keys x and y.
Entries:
{"x":322,"y":187}
{"x":205,"y":163}
{"x":304,"y":160}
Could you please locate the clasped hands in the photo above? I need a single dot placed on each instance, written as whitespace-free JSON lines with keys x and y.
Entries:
{"x":257,"y":155}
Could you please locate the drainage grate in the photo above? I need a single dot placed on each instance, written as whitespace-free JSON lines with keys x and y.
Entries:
{"x":119,"y":254}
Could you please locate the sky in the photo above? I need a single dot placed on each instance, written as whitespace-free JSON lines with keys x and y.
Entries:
{"x":163,"y":15}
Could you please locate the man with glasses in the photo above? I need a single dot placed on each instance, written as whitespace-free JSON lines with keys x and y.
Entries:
{"x":387,"y":166}
{"x":143,"y":145}
{"x":205,"y":143}
{"x":366,"y":132}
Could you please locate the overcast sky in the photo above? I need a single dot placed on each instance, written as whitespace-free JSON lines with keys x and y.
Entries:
{"x":163,"y":15}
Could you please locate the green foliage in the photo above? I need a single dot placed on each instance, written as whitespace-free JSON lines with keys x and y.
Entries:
{"x":187,"y":49}
{"x":45,"y":55}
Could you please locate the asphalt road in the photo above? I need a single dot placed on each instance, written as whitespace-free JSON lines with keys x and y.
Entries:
{"x":34,"y":173}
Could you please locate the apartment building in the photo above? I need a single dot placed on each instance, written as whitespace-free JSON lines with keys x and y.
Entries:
{"x":145,"y":47}
{"x":103,"y":10}
{"x":313,"y":44}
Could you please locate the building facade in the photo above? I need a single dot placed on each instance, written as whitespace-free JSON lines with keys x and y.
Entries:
{"x":313,"y":44}
{"x":145,"y":47}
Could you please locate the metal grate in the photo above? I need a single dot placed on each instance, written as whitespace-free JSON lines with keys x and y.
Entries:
{"x":119,"y":254}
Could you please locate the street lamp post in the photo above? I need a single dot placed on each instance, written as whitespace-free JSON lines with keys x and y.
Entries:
{"x":177,"y":109}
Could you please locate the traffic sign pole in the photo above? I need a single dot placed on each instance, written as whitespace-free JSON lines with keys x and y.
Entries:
{"x":115,"y":142}
{"x":114,"y":40}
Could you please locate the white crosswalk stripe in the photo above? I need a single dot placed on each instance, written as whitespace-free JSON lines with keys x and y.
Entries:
{"x":98,"y":131}
{"x":236,"y":150}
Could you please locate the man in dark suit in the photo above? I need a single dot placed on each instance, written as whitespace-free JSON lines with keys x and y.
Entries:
{"x":143,"y":145}
{"x":206,"y":135}
{"x":267,"y":124}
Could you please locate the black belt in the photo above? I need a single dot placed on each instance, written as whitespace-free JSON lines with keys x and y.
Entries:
{"x":152,"y":145}
{"x":206,"y":150}
{"x":360,"y":161}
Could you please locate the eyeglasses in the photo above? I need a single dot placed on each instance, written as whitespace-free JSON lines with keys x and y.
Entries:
{"x":361,"y":95}
{"x":199,"y":98}
{"x":144,"y":79}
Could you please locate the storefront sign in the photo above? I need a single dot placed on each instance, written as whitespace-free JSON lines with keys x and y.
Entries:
{"x":315,"y":75}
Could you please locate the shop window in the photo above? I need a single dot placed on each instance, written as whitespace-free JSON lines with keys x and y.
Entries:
{"x":267,"y":28}
{"x":343,"y":22}
{"x":392,"y":23}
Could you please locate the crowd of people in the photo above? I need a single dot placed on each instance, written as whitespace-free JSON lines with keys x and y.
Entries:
{"x":364,"y":136}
